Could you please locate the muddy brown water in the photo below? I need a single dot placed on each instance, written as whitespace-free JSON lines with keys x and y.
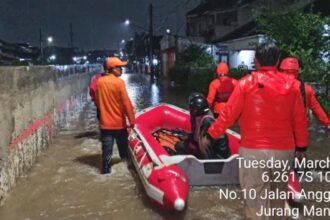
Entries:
{"x":66,"y":183}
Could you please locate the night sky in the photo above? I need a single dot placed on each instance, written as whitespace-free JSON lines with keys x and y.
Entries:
{"x":97,"y":24}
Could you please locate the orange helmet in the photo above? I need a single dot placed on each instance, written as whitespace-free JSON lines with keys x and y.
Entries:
{"x":114,"y":62}
{"x":222,"y":69}
{"x":290,"y":65}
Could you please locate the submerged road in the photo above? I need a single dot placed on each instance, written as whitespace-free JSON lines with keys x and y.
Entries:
{"x":66,"y":183}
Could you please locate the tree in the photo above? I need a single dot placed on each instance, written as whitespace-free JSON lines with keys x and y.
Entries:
{"x":194,"y":68}
{"x":305,"y":36}
{"x":195,"y":56}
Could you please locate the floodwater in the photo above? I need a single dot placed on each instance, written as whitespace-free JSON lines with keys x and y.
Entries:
{"x":66,"y":183}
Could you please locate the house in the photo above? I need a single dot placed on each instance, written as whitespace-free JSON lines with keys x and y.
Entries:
{"x":17,"y":53}
{"x":213,"y":20}
{"x":171,"y":45}
{"x":231,"y":25}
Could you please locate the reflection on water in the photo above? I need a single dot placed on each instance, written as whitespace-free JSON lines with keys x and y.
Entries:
{"x":154,"y":99}
{"x":145,"y":93}
{"x":66,"y":182}
{"x":141,"y":90}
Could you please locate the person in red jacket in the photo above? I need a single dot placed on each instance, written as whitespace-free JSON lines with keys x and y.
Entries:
{"x":220,"y":89}
{"x":273,"y":125}
{"x":92,"y":87}
{"x":115,"y":106}
{"x":290,"y":65}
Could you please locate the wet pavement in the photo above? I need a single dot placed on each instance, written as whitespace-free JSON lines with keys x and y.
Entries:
{"x":66,"y":183}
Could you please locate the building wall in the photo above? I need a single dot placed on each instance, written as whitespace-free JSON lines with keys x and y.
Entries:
{"x":242,"y":51}
{"x":35,"y":102}
{"x":218,"y":22}
{"x":243,"y":57}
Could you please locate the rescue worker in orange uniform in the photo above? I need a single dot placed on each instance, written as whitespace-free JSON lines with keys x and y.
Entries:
{"x":290,"y":65}
{"x":273,"y":125}
{"x":220,"y":89}
{"x":115,"y":106}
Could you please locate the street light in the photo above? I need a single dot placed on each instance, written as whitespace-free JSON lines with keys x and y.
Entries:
{"x":168,"y":31}
{"x":52,"y":57}
{"x":50,"y":39}
{"x":150,"y":42}
{"x":129,"y":23}
{"x":120,"y":43}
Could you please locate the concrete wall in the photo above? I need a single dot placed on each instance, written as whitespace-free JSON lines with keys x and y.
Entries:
{"x":34,"y":102}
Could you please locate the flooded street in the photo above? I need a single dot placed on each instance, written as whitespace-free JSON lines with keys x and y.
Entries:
{"x":66,"y":183}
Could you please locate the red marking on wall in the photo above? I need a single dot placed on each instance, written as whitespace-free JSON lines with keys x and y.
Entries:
{"x":35,"y":125}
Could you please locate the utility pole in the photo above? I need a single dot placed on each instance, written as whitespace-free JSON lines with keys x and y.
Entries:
{"x":41,"y":45}
{"x":71,"y":36}
{"x":151,"y":40}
